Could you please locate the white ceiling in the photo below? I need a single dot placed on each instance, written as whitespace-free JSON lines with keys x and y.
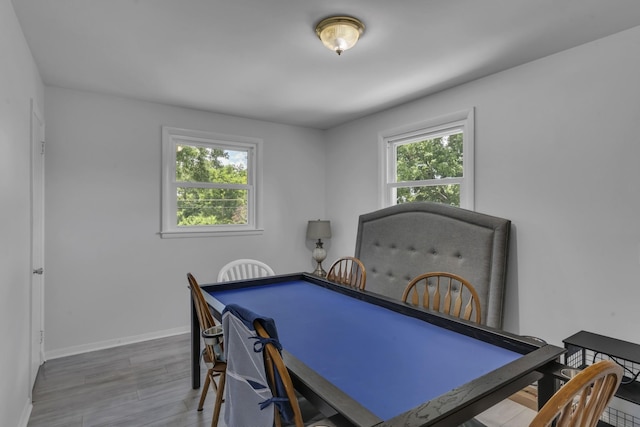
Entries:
{"x":261,"y":58}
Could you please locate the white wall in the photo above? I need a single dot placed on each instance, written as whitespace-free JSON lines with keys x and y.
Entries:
{"x":110,"y":277}
{"x":19,"y":84}
{"x":557,"y":152}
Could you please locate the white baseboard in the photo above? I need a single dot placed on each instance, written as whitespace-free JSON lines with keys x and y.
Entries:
{"x":85,"y":348}
{"x":26,"y":414}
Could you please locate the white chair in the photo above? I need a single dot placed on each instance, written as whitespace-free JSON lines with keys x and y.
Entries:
{"x":244,"y":269}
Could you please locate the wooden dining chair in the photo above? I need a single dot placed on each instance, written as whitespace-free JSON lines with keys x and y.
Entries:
{"x":582,"y":400}
{"x":446,"y":293}
{"x":241,"y":269}
{"x":348,"y":271}
{"x":274,"y":365}
{"x":215,"y":367}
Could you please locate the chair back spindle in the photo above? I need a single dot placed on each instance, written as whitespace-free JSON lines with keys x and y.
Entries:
{"x":446,"y":293}
{"x":348,"y":271}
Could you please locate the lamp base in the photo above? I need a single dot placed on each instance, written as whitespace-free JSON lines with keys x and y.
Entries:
{"x":319,"y":271}
{"x":319,"y":254}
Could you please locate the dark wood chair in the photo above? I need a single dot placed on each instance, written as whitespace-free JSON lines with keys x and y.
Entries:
{"x":583,"y":399}
{"x":446,"y":293}
{"x":348,"y":271}
{"x":215,"y":367}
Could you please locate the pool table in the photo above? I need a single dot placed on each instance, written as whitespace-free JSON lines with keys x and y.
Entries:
{"x":381,"y":362}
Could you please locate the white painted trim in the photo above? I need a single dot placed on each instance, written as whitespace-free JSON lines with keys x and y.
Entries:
{"x":26,"y":414}
{"x":469,"y":161}
{"x":181,"y":234}
{"x":85,"y":348}
{"x":463,"y":118}
{"x":254,"y":169}
{"x":37,"y":240}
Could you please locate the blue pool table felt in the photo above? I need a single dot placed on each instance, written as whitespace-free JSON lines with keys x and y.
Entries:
{"x":388,"y":362}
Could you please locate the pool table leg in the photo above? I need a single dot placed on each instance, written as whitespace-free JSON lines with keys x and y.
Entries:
{"x":195,"y":347}
{"x":546,"y":389}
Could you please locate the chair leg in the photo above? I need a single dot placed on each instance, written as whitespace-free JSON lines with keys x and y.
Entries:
{"x":213,"y":383}
{"x":219,"y":397}
{"x":205,"y":389}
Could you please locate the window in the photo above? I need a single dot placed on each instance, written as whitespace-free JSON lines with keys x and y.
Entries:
{"x":429,"y":161}
{"x":210,"y":183}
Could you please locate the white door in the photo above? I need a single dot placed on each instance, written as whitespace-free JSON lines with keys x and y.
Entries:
{"x":37,"y":242}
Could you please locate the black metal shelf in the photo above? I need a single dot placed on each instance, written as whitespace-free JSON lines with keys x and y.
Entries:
{"x":605,"y":345}
{"x":629,"y":392}
{"x":596,"y":346}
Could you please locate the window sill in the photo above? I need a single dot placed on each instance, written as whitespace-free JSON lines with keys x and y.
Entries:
{"x":223,"y":233}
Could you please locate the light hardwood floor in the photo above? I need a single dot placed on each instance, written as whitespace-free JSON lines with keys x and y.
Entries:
{"x":149,"y":384}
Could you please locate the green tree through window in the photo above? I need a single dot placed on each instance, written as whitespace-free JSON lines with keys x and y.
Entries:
{"x":428,"y":162}
{"x":213,"y":192}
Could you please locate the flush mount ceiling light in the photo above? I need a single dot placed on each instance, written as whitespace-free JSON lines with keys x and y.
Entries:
{"x":339,"y":33}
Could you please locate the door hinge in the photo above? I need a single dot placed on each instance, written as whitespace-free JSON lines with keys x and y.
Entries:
{"x":41,"y":337}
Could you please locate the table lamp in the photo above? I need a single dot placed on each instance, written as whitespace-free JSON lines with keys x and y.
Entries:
{"x":319,"y":230}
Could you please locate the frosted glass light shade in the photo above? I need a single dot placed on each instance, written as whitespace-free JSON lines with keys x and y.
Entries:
{"x":339,"y":33}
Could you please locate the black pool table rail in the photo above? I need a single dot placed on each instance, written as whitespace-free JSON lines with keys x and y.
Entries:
{"x":449,"y":409}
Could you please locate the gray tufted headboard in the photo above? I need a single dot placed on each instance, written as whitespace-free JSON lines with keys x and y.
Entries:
{"x":400,"y":242}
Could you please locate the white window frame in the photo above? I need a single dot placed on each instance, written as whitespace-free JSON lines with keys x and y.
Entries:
{"x":171,"y":137}
{"x":390,"y":139}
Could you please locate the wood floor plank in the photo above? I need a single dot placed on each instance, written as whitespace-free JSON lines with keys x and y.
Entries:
{"x":179,"y":388}
{"x":56,"y":420}
{"x":189,"y":419}
{"x":78,"y":404}
{"x":138,"y":414}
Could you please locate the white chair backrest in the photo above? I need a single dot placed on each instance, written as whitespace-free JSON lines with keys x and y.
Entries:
{"x":244,"y":269}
